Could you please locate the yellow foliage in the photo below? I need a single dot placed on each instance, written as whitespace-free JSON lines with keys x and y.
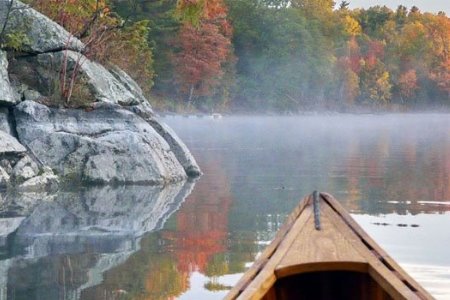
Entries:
{"x":351,"y":26}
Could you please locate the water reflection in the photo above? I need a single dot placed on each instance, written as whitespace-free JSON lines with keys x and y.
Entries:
{"x":60,"y":245}
{"x":194,"y":241}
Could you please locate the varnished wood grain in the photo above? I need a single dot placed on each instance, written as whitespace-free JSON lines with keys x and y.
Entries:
{"x":317,"y":250}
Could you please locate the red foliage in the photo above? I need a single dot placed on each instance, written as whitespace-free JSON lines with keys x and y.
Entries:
{"x":375,"y":51}
{"x":354,"y":56}
{"x":199,"y":62}
{"x":202,"y":51}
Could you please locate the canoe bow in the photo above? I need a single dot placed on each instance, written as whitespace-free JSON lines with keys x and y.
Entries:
{"x":338,"y":245}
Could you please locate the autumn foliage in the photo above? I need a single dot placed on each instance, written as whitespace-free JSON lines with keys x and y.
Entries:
{"x":199,"y":60}
{"x":106,"y":36}
{"x":270,"y":55}
{"x":202,"y":48}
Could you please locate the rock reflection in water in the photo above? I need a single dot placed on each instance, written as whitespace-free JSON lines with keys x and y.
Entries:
{"x":58,"y":245}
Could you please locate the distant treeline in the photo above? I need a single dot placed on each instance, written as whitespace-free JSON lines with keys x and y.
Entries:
{"x":278,"y":55}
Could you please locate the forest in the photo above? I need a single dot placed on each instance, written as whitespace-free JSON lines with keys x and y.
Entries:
{"x":260,"y":56}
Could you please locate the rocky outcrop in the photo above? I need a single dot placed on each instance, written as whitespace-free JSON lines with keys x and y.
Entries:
{"x":7,"y":95}
{"x":94,"y":82}
{"x":130,"y":85}
{"x":41,"y":34}
{"x":106,"y":145}
{"x":113,"y":136}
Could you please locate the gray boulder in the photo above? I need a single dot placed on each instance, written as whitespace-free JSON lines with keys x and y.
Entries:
{"x":5,"y":125}
{"x":6,"y":165}
{"x":19,"y":170}
{"x":180,"y":150}
{"x":42,"y":34}
{"x":24,"y":92}
{"x":106,"y":145}
{"x":7,"y":95}
{"x":9,"y":145}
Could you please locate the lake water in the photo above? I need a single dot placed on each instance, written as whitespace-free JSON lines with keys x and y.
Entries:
{"x":194,"y":241}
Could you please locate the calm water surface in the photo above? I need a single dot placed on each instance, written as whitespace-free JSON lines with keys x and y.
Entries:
{"x":194,"y":241}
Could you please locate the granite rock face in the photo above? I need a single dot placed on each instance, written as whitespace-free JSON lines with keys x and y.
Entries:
{"x":4,"y":178}
{"x":94,"y":82}
{"x":178,"y":147}
{"x":5,"y":125}
{"x":130,"y":85}
{"x":106,"y":145}
{"x":180,"y":150}
{"x":10,"y":145}
{"x":7,"y":95}
{"x":18,"y":169}
{"x":42,"y":34}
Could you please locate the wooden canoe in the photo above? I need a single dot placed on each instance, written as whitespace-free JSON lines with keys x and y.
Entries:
{"x":322,"y":253}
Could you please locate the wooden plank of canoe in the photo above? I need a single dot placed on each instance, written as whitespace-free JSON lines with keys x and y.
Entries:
{"x":324,"y":250}
{"x":251,"y":273}
{"x":390,"y":263}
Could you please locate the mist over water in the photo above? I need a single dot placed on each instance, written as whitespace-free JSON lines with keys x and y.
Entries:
{"x":328,"y":152}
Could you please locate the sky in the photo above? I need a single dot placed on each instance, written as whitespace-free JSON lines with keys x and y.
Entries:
{"x":424,"y":5}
